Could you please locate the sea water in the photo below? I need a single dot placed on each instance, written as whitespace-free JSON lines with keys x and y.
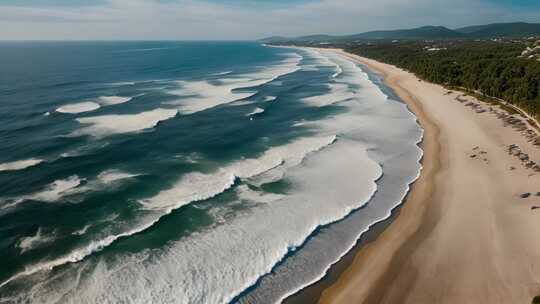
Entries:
{"x":189,"y":172}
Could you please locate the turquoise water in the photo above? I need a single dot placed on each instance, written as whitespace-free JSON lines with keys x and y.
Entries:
{"x":186,"y":171}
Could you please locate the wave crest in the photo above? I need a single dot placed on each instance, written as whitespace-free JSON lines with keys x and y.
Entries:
{"x":20,"y":164}
{"x":77,"y":108}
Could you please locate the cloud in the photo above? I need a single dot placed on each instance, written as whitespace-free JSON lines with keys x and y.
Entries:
{"x":190,"y":19}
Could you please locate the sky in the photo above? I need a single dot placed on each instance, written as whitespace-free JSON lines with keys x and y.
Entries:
{"x":242,"y":19}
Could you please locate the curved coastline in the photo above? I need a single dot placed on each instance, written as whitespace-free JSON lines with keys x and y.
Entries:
{"x":456,"y":235}
{"x":421,"y":191}
{"x":280,"y":287}
{"x":337,"y":272}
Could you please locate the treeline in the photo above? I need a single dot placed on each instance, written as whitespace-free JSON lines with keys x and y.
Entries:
{"x":490,"y":67}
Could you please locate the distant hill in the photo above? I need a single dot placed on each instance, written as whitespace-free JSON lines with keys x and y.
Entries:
{"x":472,"y":29}
{"x":318,"y":37}
{"x":425,"y":32}
{"x":274,"y":39}
{"x":511,"y":30}
{"x":517,"y":29}
{"x":277,"y":39}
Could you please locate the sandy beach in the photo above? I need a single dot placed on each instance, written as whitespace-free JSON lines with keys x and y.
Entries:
{"x":469,"y":230}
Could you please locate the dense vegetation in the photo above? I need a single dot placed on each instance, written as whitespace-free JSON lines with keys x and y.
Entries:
{"x":494,"y":68}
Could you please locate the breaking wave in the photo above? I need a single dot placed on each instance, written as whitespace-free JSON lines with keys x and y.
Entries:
{"x":20,"y":164}
{"x":77,"y":108}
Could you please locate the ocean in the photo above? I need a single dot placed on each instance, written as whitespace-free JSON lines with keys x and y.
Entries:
{"x":190,"y":172}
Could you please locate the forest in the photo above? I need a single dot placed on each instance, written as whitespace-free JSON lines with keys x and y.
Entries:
{"x":493,"y":68}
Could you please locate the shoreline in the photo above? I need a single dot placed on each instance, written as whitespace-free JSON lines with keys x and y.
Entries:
{"x":387,"y":269}
{"x":312,"y":292}
{"x":416,"y":200}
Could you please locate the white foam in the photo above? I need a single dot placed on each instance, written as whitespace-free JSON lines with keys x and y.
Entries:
{"x":327,"y":186}
{"x":105,"y":125}
{"x":80,"y":107}
{"x":255,"y":112}
{"x":322,"y":61}
{"x":338,"y":93}
{"x":55,"y":190}
{"x":50,"y":193}
{"x":195,"y":187}
{"x":338,"y":72}
{"x":82,"y":230}
{"x":326,"y":60}
{"x":69,"y":186}
{"x":270,"y":98}
{"x":200,"y":186}
{"x":192,"y":187}
{"x":123,"y":83}
{"x":310,"y":68}
{"x":269,"y":74}
{"x":276,"y":83}
{"x":20,"y":164}
{"x":32,"y":242}
{"x":202,"y":95}
{"x":345,"y":87}
{"x":76,"y":255}
{"x":11,"y":203}
{"x":84,"y":149}
{"x":113,"y":175}
{"x":351,"y":73}
{"x":112,"y":100}
{"x":241,"y":103}
{"x":291,"y":155}
{"x":70,"y":154}
{"x":147,"y":49}
{"x":246,"y":194}
{"x":223,"y":73}
{"x":111,"y":217}
{"x":88,"y":106}
{"x":191,"y":158}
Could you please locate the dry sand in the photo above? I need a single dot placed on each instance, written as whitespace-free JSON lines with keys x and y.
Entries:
{"x":464,"y":234}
